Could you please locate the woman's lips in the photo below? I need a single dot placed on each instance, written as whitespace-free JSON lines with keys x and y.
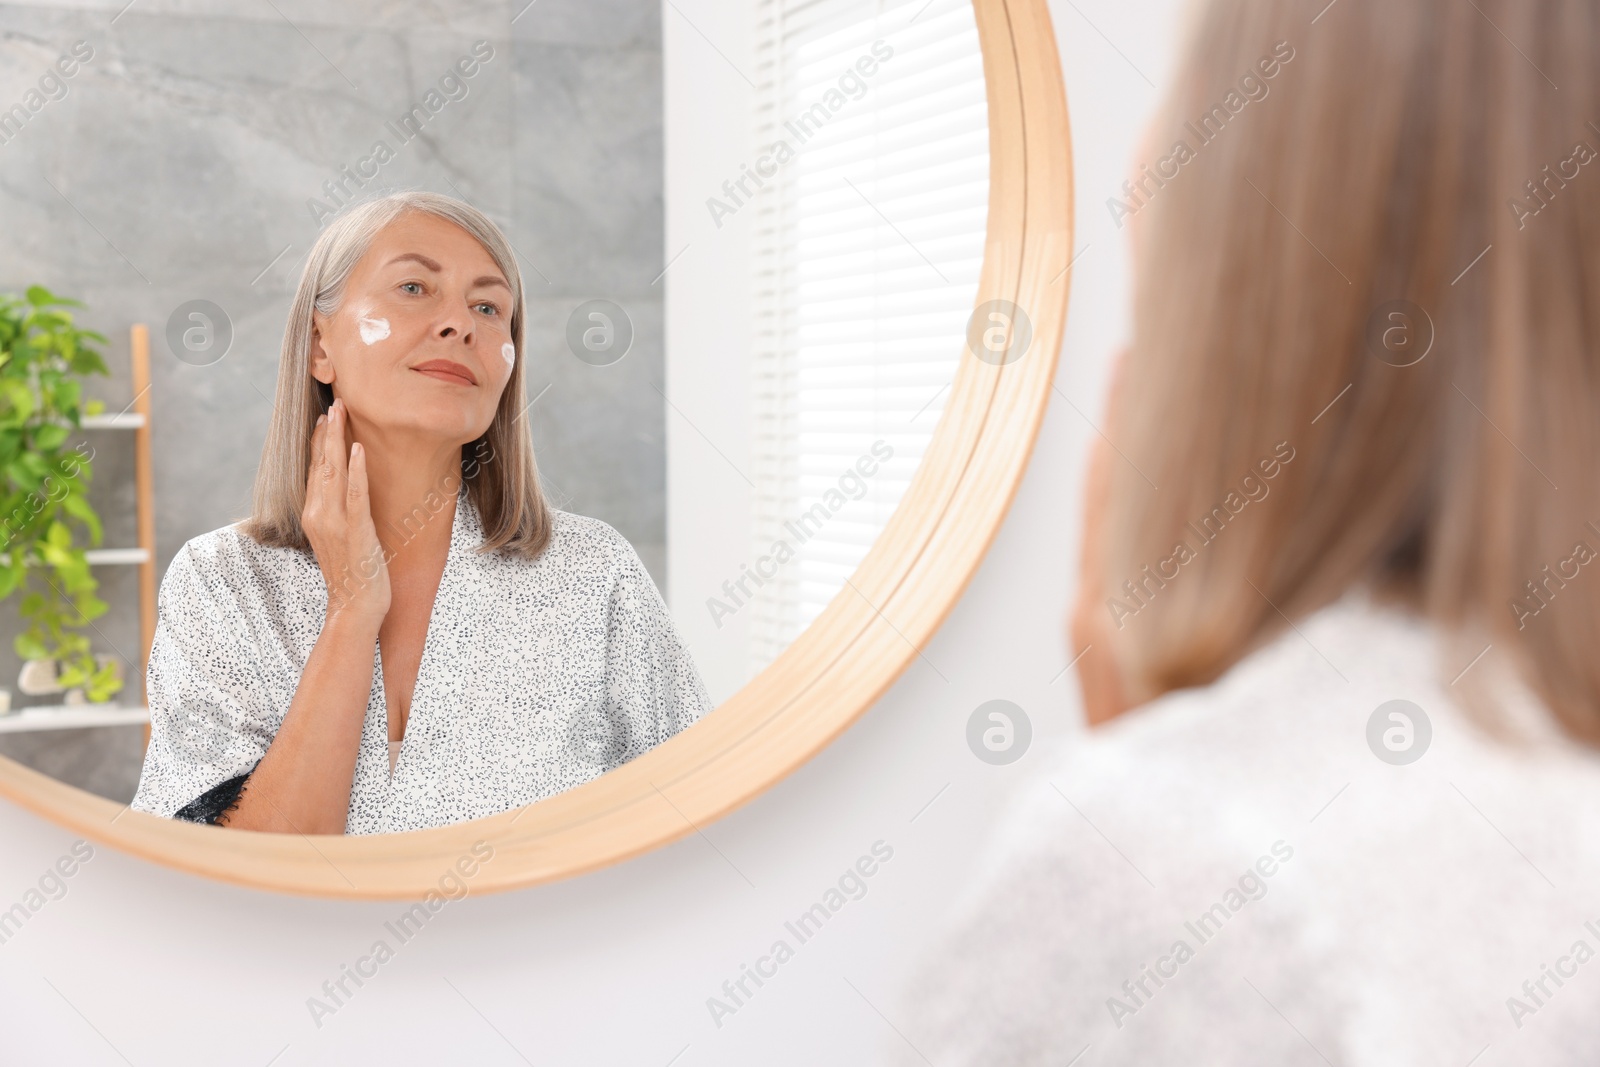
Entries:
{"x":446,"y":371}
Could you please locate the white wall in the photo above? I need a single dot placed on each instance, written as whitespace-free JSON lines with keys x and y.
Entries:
{"x":707,"y":134}
{"x":136,"y":964}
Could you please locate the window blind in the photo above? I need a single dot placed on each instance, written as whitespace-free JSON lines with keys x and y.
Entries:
{"x":873,"y":169}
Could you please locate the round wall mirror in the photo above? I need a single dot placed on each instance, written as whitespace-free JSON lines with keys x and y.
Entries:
{"x":793,"y":284}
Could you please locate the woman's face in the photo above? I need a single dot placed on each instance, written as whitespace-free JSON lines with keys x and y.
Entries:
{"x":422,"y":340}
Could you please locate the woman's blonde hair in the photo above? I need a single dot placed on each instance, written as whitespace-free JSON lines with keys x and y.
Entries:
{"x":1409,"y":175}
{"x":498,"y":469}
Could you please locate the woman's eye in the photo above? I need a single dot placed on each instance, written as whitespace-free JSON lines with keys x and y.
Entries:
{"x":417,"y":284}
{"x":493,"y":308}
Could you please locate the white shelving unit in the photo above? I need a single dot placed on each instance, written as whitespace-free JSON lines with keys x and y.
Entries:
{"x":72,"y":717}
{"x":82,"y":716}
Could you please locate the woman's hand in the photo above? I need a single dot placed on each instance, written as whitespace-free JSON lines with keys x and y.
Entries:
{"x":337,"y":519}
{"x":302,"y":784}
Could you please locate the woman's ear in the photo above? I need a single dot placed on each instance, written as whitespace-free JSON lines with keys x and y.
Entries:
{"x":321,"y":363}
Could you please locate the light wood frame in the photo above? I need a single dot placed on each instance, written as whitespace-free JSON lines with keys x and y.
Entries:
{"x":867,"y":636}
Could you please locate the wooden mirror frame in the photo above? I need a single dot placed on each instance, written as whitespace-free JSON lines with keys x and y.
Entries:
{"x":837,"y":668}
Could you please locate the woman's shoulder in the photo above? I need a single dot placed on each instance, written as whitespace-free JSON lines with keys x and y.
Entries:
{"x":1358,"y":708}
{"x":1292,"y":712}
{"x":1284,"y":788}
{"x":583,"y":529}
{"x":1357,"y":644}
{"x":231,"y":556}
{"x":1304,"y":723}
{"x":232,"y":542}
{"x":583,"y":539}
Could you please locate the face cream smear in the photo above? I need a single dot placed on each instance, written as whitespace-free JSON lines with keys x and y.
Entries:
{"x":374,"y":330}
{"x":509,"y":351}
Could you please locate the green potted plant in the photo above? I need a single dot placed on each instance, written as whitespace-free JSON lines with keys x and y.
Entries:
{"x":44,"y":504}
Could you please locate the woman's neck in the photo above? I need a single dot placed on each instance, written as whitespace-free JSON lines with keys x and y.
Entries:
{"x":412,"y":486}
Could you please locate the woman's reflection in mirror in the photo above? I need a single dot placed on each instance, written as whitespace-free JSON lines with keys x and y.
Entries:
{"x":404,"y":633}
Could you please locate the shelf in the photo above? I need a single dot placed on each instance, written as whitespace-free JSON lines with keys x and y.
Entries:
{"x":116,"y":555}
{"x":126,"y":420}
{"x":72,"y":717}
{"x":100,"y":557}
{"x":135,"y":418}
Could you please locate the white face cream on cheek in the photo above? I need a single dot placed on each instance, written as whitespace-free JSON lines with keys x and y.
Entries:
{"x":509,"y":351}
{"x":373,"y":330}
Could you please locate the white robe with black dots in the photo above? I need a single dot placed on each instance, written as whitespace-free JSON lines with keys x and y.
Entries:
{"x":537,"y":675}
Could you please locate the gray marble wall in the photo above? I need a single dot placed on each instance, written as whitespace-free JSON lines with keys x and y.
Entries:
{"x":182,"y":161}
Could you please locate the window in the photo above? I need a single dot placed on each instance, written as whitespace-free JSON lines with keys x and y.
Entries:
{"x":873,"y":158}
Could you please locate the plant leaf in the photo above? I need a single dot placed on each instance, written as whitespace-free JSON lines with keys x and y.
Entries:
{"x":28,"y":646}
{"x":78,"y":507}
{"x":50,"y":436}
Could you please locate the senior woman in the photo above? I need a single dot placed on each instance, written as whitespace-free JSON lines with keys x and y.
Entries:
{"x":1365,"y":374}
{"x":404,"y":633}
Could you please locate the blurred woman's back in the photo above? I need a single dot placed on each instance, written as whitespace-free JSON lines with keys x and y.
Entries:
{"x":1356,"y":618}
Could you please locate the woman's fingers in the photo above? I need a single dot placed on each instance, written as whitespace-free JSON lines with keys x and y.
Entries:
{"x":336,"y":448}
{"x":357,"y":512}
{"x":337,"y":518}
{"x":357,"y":507}
{"x":318,"y":436}
{"x":326,"y":477}
{"x":315,"y":475}
{"x":363,"y":554}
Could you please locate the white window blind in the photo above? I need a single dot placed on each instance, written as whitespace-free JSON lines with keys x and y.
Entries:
{"x":868,"y":243}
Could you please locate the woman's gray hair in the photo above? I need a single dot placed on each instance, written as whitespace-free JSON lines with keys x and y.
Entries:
{"x":498,"y":468}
